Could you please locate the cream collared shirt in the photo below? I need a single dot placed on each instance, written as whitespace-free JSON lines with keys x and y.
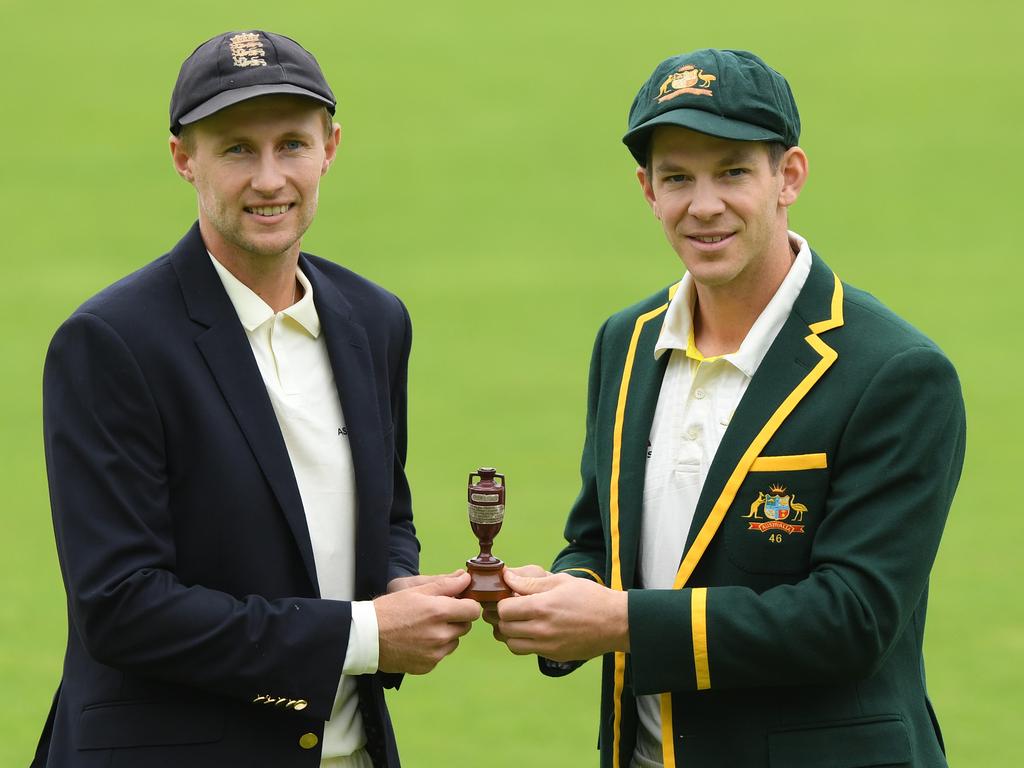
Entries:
{"x":697,"y":400}
{"x":292,"y":357}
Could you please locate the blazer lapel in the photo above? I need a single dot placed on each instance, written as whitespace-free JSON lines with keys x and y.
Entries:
{"x":227,"y":352}
{"x":644,"y":388}
{"x":349,"y":352}
{"x":796,"y":361}
{"x":634,"y":414}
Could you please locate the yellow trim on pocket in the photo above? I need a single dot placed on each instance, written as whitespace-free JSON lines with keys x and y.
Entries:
{"x":789,"y":463}
{"x":587,"y":571}
{"x":699,"y":619}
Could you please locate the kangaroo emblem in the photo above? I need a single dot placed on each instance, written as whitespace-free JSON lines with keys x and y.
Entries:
{"x":755,"y":506}
{"x":686,"y":79}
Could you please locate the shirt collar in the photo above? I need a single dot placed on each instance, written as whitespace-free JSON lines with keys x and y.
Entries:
{"x":677,"y":330}
{"x":253,"y":311}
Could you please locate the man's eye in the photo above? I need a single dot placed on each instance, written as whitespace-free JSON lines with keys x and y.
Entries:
{"x":293,"y":146}
{"x":734,"y":172}
{"x":236,"y":149}
{"x":677,"y":178}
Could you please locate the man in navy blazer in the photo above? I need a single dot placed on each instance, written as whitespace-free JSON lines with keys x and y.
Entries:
{"x":219,"y":542}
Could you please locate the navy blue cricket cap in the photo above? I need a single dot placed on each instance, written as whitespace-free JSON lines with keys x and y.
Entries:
{"x":724,"y":93}
{"x":237,"y":66}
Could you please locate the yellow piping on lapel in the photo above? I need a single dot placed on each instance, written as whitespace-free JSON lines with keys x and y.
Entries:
{"x":837,"y":310}
{"x":613,"y":513}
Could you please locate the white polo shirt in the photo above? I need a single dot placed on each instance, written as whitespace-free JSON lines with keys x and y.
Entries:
{"x":292,"y":357}
{"x":695,"y":405}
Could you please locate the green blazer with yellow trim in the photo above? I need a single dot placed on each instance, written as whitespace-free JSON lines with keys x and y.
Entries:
{"x":793,"y":635}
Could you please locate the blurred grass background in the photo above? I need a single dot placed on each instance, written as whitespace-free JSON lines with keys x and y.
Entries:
{"x":481,"y":178}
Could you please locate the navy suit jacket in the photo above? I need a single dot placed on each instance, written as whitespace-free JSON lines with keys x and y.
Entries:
{"x":196,"y":635}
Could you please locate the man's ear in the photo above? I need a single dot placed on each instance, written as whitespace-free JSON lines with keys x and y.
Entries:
{"x":648,"y":190}
{"x":793,"y":168}
{"x":331,"y":148}
{"x":182,"y":159}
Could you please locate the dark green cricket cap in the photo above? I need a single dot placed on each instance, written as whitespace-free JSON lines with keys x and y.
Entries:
{"x":725,"y":93}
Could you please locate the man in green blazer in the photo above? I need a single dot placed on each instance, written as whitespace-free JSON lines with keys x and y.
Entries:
{"x":770,"y":458}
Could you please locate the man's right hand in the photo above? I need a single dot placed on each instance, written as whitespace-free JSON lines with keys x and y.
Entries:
{"x":420,"y":625}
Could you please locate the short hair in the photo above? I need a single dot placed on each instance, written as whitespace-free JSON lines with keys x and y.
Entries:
{"x":188,"y":139}
{"x":776,"y":151}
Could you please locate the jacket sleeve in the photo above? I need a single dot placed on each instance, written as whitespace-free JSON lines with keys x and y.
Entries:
{"x":109,"y":490}
{"x":895,"y":471}
{"x":404,"y":547}
{"x":585,"y":553}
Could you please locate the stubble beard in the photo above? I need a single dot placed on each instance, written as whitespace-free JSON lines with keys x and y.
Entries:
{"x":231,"y":229}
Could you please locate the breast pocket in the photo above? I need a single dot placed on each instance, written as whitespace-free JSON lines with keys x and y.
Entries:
{"x":770,"y":527}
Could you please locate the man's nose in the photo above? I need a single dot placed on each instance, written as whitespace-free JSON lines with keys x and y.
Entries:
{"x":268,"y":177}
{"x":707,"y":202}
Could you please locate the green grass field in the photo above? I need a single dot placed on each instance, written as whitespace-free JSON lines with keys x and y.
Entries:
{"x":481,"y":178}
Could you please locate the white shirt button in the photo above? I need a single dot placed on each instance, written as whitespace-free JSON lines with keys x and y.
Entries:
{"x":692,"y":433}
{"x":700,"y":394}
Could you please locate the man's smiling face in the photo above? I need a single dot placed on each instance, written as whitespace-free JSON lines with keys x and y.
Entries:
{"x":256,"y":167}
{"x":720,"y":202}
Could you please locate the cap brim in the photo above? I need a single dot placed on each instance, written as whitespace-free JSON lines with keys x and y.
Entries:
{"x":229,"y":98}
{"x":696,"y":120}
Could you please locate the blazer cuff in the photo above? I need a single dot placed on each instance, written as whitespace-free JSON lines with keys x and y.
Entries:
{"x":668,"y":640}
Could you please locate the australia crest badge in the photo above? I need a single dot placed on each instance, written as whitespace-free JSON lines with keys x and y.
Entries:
{"x":770,"y":512}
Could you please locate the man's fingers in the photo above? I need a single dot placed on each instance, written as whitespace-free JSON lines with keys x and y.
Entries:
{"x":451,"y":585}
{"x":491,"y":613}
{"x":521,"y":629}
{"x":532,"y":571}
{"x":523,"y":646}
{"x":407,"y":582}
{"x":457,"y":611}
{"x":513,"y":609}
{"x":461,"y":628}
{"x":449,"y":648}
{"x":529,"y":585}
